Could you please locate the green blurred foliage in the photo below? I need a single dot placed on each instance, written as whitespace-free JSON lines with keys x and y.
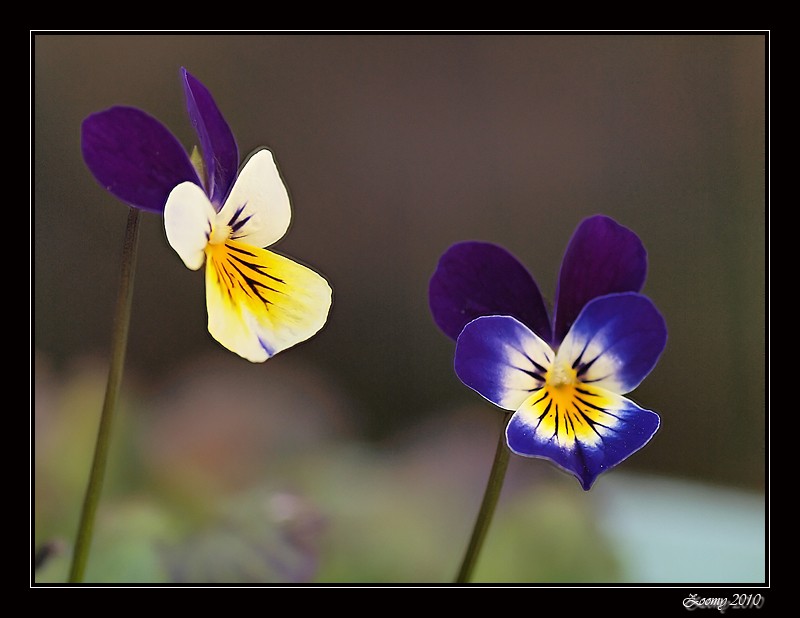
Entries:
{"x":329,"y":511}
{"x":327,"y":507}
{"x":548,"y":535}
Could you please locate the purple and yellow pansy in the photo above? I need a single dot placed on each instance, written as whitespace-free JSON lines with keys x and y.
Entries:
{"x":563,"y":378}
{"x":258,"y":302}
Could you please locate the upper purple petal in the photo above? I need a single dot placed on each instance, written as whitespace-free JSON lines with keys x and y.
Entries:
{"x":220,"y":153}
{"x":134,"y":157}
{"x":475,"y":279}
{"x":602,"y":258}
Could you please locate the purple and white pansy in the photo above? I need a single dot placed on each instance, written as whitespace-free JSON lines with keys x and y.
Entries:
{"x":563,"y":378}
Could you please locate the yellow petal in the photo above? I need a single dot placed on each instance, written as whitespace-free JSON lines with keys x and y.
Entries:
{"x":259,"y":302}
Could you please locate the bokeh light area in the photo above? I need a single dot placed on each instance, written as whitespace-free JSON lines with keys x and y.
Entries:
{"x":358,"y":456}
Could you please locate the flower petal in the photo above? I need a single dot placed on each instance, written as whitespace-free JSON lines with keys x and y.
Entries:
{"x":475,"y":279}
{"x":257,"y":209}
{"x":134,"y":157}
{"x":188,"y":220}
{"x":502,"y":359}
{"x":586,"y":431}
{"x":615,"y":342}
{"x":602,"y":258}
{"x":220,"y":153}
{"x":259,"y":302}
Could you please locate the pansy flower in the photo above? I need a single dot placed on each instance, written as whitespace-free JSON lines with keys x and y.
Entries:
{"x":564,"y":379}
{"x":258,"y":302}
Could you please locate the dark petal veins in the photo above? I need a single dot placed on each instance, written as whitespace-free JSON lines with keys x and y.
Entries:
{"x":475,"y":279}
{"x":498,"y":356}
{"x":220,"y":153}
{"x":602,"y":258}
{"x":134,"y":157}
{"x":627,"y":428}
{"x":627,"y":335}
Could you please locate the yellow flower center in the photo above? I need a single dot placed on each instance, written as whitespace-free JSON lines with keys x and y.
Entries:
{"x":561,"y":380}
{"x":219,"y":234}
{"x":560,"y":375}
{"x":568,"y":410}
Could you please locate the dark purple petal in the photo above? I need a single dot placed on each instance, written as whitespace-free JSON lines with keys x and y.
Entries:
{"x":475,"y":279}
{"x":134,"y":157}
{"x":625,"y":428}
{"x":616,"y":341}
{"x":602,"y":258}
{"x":220,"y":153}
{"x":502,"y":360}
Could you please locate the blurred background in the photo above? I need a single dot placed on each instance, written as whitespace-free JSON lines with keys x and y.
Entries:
{"x":358,"y":456}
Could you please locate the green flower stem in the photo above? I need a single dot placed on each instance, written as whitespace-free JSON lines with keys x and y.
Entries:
{"x":118,"y":346}
{"x":490,"y":496}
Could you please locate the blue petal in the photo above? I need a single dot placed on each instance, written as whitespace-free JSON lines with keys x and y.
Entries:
{"x":587,"y":437}
{"x":220,"y":153}
{"x":500,"y":358}
{"x":615,"y":342}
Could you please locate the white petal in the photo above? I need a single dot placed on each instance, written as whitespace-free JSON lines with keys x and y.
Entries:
{"x":188,"y":217}
{"x":257,"y":209}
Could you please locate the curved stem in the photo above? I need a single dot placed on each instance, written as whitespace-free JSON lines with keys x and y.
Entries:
{"x":490,"y":497}
{"x":118,"y":346}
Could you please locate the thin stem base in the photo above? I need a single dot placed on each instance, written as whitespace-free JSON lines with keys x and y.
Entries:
{"x":118,"y":347}
{"x":490,"y":496}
